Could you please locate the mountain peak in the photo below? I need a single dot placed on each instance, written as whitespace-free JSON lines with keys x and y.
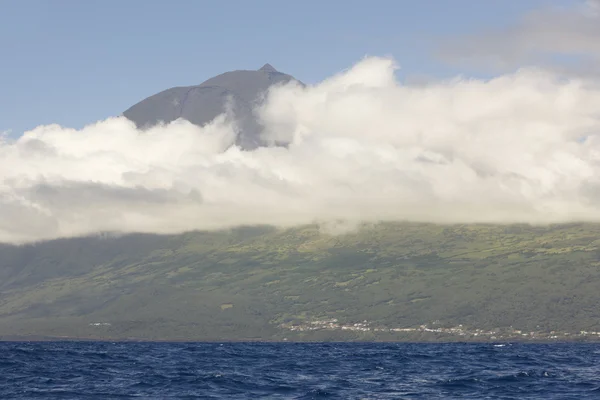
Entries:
{"x":201,"y":104}
{"x":268,"y":68}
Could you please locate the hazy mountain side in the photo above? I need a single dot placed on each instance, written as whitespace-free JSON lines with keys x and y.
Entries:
{"x":246,"y":283}
{"x":34,"y":263}
{"x":200,"y":104}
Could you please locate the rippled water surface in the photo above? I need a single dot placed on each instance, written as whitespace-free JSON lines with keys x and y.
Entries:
{"x":92,"y":370}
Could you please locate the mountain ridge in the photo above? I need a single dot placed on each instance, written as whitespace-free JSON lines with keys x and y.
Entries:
{"x":200,"y":104}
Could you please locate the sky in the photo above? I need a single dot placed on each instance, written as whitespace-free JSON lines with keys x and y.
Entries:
{"x":442,"y":112}
{"x":75,"y":62}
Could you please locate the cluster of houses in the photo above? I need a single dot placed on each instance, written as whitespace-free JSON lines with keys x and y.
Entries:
{"x":334,"y":324}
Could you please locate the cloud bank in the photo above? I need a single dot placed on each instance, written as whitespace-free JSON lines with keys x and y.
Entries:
{"x":564,"y":38}
{"x":361,"y":146}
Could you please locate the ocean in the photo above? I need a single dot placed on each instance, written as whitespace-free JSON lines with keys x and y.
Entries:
{"x":104,"y":370}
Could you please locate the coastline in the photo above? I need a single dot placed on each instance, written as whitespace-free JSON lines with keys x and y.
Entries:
{"x":415,"y":340}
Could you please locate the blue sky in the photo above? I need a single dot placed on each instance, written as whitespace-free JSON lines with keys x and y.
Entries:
{"x":73,"y":62}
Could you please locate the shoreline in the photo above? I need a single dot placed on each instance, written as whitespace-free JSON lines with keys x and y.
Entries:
{"x":57,"y":339}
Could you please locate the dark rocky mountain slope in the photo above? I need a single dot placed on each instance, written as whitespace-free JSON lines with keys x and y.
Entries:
{"x":200,"y":104}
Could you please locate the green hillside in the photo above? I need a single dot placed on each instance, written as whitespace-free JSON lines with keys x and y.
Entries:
{"x":268,"y":284}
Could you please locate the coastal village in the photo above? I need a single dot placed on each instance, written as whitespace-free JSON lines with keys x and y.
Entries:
{"x":458,"y":331}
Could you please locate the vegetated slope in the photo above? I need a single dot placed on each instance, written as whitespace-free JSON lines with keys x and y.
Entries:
{"x":243,"y":284}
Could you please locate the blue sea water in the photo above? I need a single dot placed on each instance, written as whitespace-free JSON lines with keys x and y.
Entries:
{"x":98,"y":370}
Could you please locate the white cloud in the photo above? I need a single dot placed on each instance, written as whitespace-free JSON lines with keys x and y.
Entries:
{"x":522,"y":147}
{"x":555,"y":36}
